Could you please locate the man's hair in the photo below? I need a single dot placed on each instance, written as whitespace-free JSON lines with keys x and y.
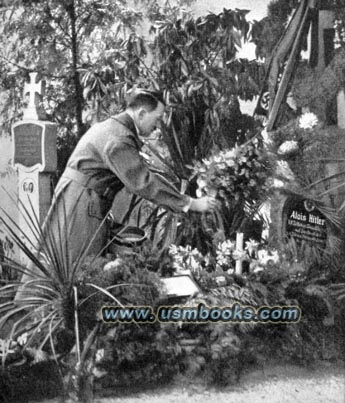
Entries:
{"x":146,"y":98}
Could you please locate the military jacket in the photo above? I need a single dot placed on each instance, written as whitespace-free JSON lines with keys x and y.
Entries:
{"x":109,"y":154}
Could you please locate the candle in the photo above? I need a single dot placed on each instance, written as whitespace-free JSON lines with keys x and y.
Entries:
{"x":239,"y":247}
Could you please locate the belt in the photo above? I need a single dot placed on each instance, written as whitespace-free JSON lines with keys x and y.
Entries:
{"x":89,"y":183}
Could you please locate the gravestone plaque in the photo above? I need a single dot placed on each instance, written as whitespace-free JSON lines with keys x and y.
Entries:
{"x":304,"y":222}
{"x":27,"y":144}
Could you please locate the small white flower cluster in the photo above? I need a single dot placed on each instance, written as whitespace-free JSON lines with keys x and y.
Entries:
{"x":22,"y":339}
{"x":308,"y":120}
{"x":224,"y":253}
{"x":288,"y":147}
{"x":264,"y":258}
{"x":99,"y":355}
{"x":186,"y":259}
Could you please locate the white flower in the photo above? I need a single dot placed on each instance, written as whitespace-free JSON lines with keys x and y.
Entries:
{"x":184,"y":258}
{"x":223,"y":260}
{"x":201,"y":183}
{"x":308,"y":120}
{"x":22,"y":339}
{"x":251,"y":246}
{"x":264,"y":257}
{"x":240,"y":254}
{"x":206,"y":162}
{"x":39,"y":355}
{"x":230,"y":154}
{"x":173,"y":250}
{"x":288,"y":147}
{"x":99,"y":354}
{"x":228,"y":158}
{"x":224,"y":251}
{"x":226,"y":247}
{"x":114,"y":264}
{"x":278,"y":183}
{"x":283,"y":170}
{"x":207,"y":259}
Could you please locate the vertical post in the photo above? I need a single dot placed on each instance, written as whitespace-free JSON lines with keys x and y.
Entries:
{"x":326,"y":52}
{"x":325,"y":39}
{"x":341,"y":109}
{"x":239,"y":247}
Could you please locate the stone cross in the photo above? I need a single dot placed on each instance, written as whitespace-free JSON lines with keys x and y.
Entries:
{"x":35,"y":90}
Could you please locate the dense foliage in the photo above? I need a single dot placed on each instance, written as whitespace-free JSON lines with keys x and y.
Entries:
{"x":202,"y":78}
{"x":267,"y":32}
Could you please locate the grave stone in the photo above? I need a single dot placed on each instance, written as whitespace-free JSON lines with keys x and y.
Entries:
{"x":34,"y":157}
{"x":304,"y":222}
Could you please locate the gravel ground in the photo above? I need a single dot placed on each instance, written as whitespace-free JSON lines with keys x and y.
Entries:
{"x":273,"y":384}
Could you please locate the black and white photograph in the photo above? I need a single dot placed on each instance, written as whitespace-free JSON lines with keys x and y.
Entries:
{"x":172,"y":201}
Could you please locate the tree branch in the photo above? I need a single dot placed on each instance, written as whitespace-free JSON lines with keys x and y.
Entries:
{"x":70,"y":8}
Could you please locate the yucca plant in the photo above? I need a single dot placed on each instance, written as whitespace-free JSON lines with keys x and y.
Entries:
{"x":44,"y":309}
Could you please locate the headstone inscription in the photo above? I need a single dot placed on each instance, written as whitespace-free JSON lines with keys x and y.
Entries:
{"x":35,"y":159}
{"x":304,"y":222}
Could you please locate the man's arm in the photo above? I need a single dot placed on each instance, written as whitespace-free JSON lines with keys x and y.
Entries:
{"x":122,"y":157}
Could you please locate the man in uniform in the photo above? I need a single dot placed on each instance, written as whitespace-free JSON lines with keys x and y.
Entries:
{"x":105,"y":160}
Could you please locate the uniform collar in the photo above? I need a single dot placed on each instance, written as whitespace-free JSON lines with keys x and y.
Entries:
{"x":126,"y":120}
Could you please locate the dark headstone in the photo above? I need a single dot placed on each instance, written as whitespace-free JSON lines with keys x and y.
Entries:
{"x":304,"y":222}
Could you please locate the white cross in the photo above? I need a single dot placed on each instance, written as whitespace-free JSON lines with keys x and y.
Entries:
{"x":32,"y":88}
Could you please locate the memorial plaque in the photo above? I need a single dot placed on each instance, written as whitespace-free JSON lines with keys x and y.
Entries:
{"x":304,"y":222}
{"x":28,"y":144}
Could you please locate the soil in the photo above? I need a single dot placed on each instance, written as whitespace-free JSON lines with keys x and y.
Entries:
{"x":275,"y":383}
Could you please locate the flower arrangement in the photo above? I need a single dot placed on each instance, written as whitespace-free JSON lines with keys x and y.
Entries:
{"x":238,"y":175}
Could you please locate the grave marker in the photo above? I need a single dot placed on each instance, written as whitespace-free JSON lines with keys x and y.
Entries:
{"x":34,"y":157}
{"x":304,"y":222}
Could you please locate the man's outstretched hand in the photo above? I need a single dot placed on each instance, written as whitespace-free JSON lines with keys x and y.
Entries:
{"x":203,"y":204}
